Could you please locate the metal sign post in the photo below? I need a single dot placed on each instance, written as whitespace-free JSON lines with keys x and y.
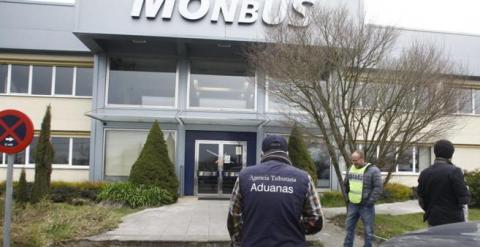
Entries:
{"x":16,"y":133}
{"x":8,"y":202}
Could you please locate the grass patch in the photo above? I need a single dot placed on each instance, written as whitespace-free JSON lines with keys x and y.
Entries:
{"x":332,"y":199}
{"x":474,"y":214}
{"x":47,"y":223}
{"x":388,"y":226}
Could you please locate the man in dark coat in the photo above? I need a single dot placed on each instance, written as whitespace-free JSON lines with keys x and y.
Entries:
{"x":442,"y":192}
{"x":273,"y":204}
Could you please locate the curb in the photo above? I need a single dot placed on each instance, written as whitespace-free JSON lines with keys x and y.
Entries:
{"x":157,"y":243}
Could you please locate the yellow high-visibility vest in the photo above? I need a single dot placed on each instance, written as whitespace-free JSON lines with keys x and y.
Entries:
{"x":355,"y":179}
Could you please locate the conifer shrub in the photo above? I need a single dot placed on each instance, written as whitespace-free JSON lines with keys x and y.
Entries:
{"x":22,"y":189}
{"x":473,"y":181}
{"x":43,"y":156}
{"x":153,"y":166}
{"x":299,"y":155}
{"x":136,"y":195}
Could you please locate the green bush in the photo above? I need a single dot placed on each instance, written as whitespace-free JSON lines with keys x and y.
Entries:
{"x":473,"y":181}
{"x":298,"y":153}
{"x":332,"y":199}
{"x":393,"y":192}
{"x":61,"y":191}
{"x":134,"y":195}
{"x":22,"y":190}
{"x":43,"y":155}
{"x":153,"y":166}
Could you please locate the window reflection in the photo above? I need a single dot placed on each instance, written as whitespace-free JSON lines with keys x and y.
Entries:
{"x":3,"y":78}
{"x":275,"y":103}
{"x":63,"y":80}
{"x":321,"y":159}
{"x":81,"y":151}
{"x":19,"y":158}
{"x":221,"y":85}
{"x":32,"y":147}
{"x":122,"y":148}
{"x":83,"y":86}
{"x":142,"y":81}
{"x":405,"y":160}
{"x":477,"y":101}
{"x":42,"y":80}
{"x":19,"y":79}
{"x":465,"y":102}
{"x":61,"y":146}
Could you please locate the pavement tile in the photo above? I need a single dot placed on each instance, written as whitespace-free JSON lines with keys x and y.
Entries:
{"x":205,"y":220}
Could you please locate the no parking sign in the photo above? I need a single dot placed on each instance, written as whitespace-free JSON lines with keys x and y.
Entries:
{"x":16,"y":133}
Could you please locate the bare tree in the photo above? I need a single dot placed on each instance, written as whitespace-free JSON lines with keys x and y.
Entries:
{"x":350,"y":82}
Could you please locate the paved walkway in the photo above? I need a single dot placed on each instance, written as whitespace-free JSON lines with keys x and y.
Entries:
{"x":191,"y":219}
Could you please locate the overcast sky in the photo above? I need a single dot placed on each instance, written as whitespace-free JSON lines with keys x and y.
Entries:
{"x":458,"y":16}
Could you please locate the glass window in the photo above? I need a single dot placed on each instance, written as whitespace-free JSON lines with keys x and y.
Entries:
{"x":81,"y":151}
{"x":405,"y":160}
{"x":389,"y":160}
{"x":477,"y":101}
{"x":3,"y":78}
{"x":42,"y":80}
{"x":63,"y":80}
{"x":370,"y":154}
{"x":20,"y":158}
{"x":83,"y":86}
{"x":424,"y":158}
{"x":142,"y":81}
{"x":221,"y":85}
{"x":61,"y":145}
{"x":321,"y":158}
{"x":465,"y":101}
{"x":33,"y":146}
{"x":122,"y":148}
{"x":19,"y":79}
{"x":370,"y":93}
{"x":275,"y":103}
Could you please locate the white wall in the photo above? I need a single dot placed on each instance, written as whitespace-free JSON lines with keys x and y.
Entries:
{"x":408,"y":180}
{"x":68,"y":114}
{"x":58,"y":174}
{"x":467,"y":157}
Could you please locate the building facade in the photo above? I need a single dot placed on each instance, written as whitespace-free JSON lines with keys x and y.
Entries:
{"x":110,"y":68}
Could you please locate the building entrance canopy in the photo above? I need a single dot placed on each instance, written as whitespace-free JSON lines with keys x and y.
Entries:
{"x":228,"y":20}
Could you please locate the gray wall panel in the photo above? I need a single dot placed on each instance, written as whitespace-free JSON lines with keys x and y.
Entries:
{"x":460,"y":48}
{"x":44,"y":27}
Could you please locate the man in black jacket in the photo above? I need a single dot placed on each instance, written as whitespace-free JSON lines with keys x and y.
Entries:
{"x":441,"y":188}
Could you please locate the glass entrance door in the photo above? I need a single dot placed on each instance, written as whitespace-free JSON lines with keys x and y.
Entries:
{"x":217,"y":164}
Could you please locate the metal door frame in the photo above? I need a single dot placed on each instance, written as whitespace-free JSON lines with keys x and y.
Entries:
{"x":220,"y":144}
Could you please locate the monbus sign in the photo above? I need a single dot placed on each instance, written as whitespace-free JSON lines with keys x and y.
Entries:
{"x":274,"y":12}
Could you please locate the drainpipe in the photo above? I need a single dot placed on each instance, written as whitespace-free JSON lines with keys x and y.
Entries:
{"x":260,"y":134}
{"x":181,"y":155}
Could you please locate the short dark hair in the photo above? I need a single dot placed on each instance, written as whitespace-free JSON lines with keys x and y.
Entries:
{"x":443,"y":149}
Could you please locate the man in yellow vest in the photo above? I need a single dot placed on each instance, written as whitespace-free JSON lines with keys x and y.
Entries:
{"x":363,"y":183}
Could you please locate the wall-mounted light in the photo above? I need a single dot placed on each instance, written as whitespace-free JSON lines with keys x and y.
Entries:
{"x":139,"y":41}
{"x":224,"y":45}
